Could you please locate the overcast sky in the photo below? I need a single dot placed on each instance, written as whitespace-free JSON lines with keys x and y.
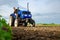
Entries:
{"x":43,"y":11}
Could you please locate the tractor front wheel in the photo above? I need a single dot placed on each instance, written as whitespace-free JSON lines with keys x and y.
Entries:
{"x":32,"y":22}
{"x":25,"y":24}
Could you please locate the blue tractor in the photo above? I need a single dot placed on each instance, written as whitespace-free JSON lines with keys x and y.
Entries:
{"x":23,"y":18}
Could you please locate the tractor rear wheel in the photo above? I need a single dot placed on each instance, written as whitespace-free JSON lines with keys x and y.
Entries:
{"x":12,"y":20}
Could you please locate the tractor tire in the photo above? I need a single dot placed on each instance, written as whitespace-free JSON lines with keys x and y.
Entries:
{"x":25,"y":24}
{"x":11,"y":22}
{"x":31,"y":21}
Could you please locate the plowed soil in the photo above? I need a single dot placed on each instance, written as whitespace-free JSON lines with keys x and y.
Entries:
{"x":36,"y":33}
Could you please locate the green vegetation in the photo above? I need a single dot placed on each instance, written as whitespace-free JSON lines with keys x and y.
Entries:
{"x":45,"y":24}
{"x":5,"y":30}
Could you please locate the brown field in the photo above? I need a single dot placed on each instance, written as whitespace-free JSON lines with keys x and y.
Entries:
{"x":36,"y":33}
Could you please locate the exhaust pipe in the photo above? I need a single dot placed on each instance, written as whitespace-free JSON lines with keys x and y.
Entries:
{"x":28,"y":6}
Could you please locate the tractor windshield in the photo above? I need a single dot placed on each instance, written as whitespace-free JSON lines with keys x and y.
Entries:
{"x":25,"y":12}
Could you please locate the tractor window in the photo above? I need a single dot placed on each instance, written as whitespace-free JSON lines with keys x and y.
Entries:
{"x":24,"y":12}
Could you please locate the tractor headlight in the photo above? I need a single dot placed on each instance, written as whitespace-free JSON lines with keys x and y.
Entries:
{"x":29,"y":15}
{"x":25,"y":15}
